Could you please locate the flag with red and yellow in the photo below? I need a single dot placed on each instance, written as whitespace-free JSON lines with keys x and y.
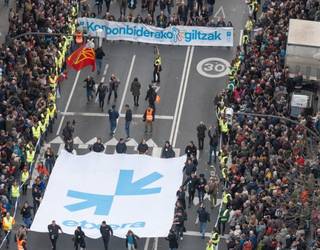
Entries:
{"x":81,"y":58}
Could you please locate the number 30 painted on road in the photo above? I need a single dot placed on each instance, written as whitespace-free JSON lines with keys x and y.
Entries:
{"x":213,"y":67}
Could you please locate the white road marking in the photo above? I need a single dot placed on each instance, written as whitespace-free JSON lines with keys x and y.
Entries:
{"x":68,"y":102}
{"x":127,"y":83}
{"x":57,"y":140}
{"x":77,"y":140}
{"x":241,"y":35}
{"x":146,"y":245}
{"x":179,"y":95}
{"x":105,"y":69}
{"x":182,"y":98}
{"x":151,"y":143}
{"x":161,"y":117}
{"x":194,"y":233}
{"x":155,"y":244}
{"x":222,"y":13}
{"x":61,"y":147}
{"x":213,"y":67}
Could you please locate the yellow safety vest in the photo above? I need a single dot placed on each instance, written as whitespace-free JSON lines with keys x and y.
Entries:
{"x":30,"y":156}
{"x":245,"y":40}
{"x":210,"y":247}
{"x":224,"y":126}
{"x":215,"y":238}
{"x":53,"y":81}
{"x":36,"y":132}
{"x":157,"y":61}
{"x":225,"y":198}
{"x":24,"y":176}
{"x":15,"y":193}
{"x":47,"y":119}
{"x":42,"y":126}
{"x":51,"y":112}
{"x":7,"y":223}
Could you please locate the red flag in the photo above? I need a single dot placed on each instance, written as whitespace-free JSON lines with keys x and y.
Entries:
{"x":81,"y":58}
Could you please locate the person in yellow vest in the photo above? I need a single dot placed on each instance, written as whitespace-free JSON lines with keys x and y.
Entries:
{"x":245,"y":41}
{"x":224,"y":129}
{"x":30,"y":153}
{"x":157,"y":68}
{"x":15,"y":193}
{"x":210,"y":245}
{"x":36,"y":132}
{"x":215,"y":238}
{"x":51,"y":111}
{"x":7,"y":223}
{"x":21,"y":242}
{"x":249,"y":25}
{"x":42,"y":125}
{"x":226,"y":198}
{"x":148,"y":118}
{"x":53,"y":78}
{"x":25,"y":180}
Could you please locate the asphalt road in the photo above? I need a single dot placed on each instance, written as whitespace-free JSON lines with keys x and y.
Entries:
{"x":186,"y":99}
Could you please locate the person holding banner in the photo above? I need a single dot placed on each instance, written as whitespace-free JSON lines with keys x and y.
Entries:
{"x":106,"y":231}
{"x":79,"y":239}
{"x":131,"y":241}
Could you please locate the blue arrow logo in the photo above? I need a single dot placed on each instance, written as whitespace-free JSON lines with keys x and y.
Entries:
{"x":127,"y":187}
{"x":101,"y":202}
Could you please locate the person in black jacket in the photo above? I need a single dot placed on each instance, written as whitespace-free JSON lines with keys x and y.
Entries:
{"x":203,"y":217}
{"x":181,"y":197}
{"x":128,"y":119}
{"x":101,"y":93}
{"x":167,"y":151}
{"x":143,"y":147}
{"x":113,"y":87}
{"x":106,"y":231}
{"x":173,"y":240}
{"x":151,"y":97}
{"x":97,"y":146}
{"x":53,"y":230}
{"x":201,"y":134}
{"x":201,"y":187}
{"x":189,"y":168}
{"x":213,"y":143}
{"x":113,"y":117}
{"x":89,"y":87}
{"x":79,"y":239}
{"x":191,"y":149}
{"x":192,"y":182}
{"x":26,"y":214}
{"x":121,"y":147}
{"x":135,"y":90}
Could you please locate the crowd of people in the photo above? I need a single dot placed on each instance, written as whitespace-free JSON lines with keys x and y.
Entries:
{"x":271,"y":187}
{"x":191,"y":13}
{"x":30,"y":71}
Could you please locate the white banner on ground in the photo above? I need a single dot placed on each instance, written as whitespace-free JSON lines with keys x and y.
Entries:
{"x":129,"y":192}
{"x":172,"y":35}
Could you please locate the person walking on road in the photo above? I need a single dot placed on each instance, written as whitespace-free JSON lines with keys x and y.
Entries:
{"x":128,"y":120}
{"x":131,"y":241}
{"x":7,"y":223}
{"x":106,"y":231}
{"x":121,"y":147}
{"x":204,"y":218}
{"x":99,"y":51}
{"x":148,"y":118}
{"x":157,"y":68}
{"x":135,"y":90}
{"x":79,"y":239}
{"x":201,"y":134}
{"x":192,"y":182}
{"x":21,"y":242}
{"x":113,"y":118}
{"x":151,"y":97}
{"x":53,"y":230}
{"x":213,"y":143}
{"x":26,"y":214}
{"x":89,"y":87}
{"x":223,"y":219}
{"x":101,"y":94}
{"x":212,"y":190}
{"x":113,"y":87}
{"x":173,"y":240}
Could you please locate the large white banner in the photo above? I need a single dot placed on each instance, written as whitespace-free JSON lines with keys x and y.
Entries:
{"x":135,"y":192}
{"x":172,"y":35}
